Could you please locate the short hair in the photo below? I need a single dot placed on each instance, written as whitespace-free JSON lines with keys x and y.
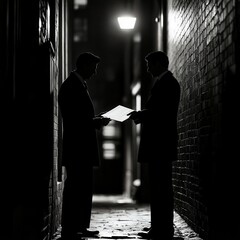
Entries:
{"x":158,"y":56}
{"x":86,"y":58}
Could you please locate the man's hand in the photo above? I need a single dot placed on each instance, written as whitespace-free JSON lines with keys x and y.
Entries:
{"x":100,"y":114}
{"x":105,"y":121}
{"x":100,"y":121}
{"x":135,"y":116}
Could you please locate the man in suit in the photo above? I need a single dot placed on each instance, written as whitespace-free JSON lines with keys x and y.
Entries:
{"x":158,"y":144}
{"x":80,"y":149}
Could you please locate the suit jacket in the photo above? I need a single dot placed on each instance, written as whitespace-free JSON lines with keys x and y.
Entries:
{"x":159,"y":121}
{"x":79,"y":133}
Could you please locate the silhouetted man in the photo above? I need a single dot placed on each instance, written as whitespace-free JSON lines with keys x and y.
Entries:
{"x":158,"y":144}
{"x":80,"y":149}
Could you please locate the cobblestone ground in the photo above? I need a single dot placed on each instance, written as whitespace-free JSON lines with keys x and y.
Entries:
{"x":120,"y":218}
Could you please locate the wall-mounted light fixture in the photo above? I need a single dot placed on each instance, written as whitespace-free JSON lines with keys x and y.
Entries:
{"x":127,"y":22}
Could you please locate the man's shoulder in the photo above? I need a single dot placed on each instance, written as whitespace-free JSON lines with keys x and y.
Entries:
{"x":169,"y":74}
{"x":71,"y":80}
{"x":169,"y":77}
{"x":71,"y":77}
{"x":167,"y":81}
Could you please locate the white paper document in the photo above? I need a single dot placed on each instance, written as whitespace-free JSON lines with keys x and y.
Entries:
{"x":119,"y":113}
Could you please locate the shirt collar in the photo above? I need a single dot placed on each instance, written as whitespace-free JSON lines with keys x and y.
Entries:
{"x":80,"y":78}
{"x":161,"y":75}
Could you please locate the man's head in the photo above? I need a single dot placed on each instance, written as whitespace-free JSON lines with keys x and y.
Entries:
{"x":86,"y":64}
{"x":157,"y":63}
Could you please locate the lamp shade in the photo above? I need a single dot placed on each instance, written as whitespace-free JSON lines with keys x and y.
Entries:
{"x":126,"y":22}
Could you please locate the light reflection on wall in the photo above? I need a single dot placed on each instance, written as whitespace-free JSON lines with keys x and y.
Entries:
{"x":111,"y":131}
{"x":136,"y":95}
{"x":80,"y":27}
{"x":138,"y":102}
{"x":138,"y":126}
{"x":109,"y":150}
{"x":111,"y":134}
{"x":80,"y":3}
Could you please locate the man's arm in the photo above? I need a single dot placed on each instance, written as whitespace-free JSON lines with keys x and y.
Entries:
{"x":138,"y":116}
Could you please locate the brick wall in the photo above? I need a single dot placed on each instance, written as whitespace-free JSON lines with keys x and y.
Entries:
{"x":201,"y":49}
{"x":52,"y":217}
{"x":56,"y":186}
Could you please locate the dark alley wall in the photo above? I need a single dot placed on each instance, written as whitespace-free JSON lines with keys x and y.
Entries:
{"x":29,"y":74}
{"x":202,"y":46}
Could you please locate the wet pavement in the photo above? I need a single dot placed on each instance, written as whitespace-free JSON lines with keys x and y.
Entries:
{"x":117,"y":217}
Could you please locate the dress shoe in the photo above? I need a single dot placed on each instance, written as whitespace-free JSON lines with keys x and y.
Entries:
{"x":75,"y":237}
{"x":146,"y":234}
{"x":88,"y":233}
{"x":146,"y":229}
{"x":157,"y":236}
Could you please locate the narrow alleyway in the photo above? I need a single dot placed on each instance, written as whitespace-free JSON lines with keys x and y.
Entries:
{"x":117,"y":217}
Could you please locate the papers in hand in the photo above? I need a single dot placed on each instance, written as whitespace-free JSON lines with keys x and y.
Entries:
{"x":119,"y":113}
